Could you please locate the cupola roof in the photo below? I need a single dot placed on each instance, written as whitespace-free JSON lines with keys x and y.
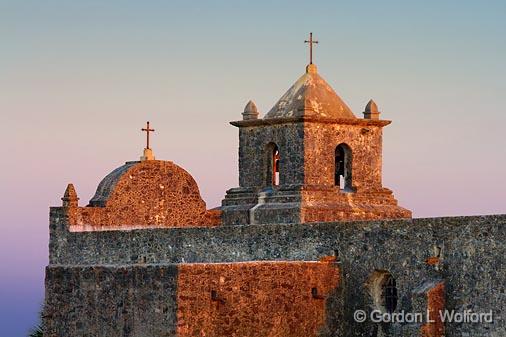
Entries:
{"x":310,"y":95}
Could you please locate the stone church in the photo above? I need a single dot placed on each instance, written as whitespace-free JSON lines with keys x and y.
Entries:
{"x":308,"y":242}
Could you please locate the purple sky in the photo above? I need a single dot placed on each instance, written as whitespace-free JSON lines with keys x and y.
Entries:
{"x":78,"y":79}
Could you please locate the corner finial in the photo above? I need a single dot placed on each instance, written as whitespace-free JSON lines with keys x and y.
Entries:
{"x":70,"y":198}
{"x":371,"y":110}
{"x":250,"y":111}
{"x":148,"y":152}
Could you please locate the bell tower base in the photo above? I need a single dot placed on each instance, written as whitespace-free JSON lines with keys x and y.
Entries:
{"x":308,"y":204}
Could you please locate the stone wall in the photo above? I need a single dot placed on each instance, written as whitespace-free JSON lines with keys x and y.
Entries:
{"x":470,"y":260}
{"x":256,"y":299}
{"x":254,"y":156}
{"x":307,"y":156}
{"x":110,"y":301}
{"x":307,"y":190}
{"x":214,"y":300}
{"x":366,"y":147}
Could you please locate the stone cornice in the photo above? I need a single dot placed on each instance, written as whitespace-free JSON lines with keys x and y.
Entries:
{"x":311,"y":119}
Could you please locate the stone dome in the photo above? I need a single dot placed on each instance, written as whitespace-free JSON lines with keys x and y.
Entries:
{"x":310,"y":95}
{"x":108,"y":184}
{"x":151,"y":192}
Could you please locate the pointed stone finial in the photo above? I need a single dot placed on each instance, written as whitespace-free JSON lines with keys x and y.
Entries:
{"x":371,"y":110}
{"x":70,"y":198}
{"x":250,"y":111}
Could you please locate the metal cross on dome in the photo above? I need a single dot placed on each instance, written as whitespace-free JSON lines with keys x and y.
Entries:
{"x":147,"y":130}
{"x":311,"y":42}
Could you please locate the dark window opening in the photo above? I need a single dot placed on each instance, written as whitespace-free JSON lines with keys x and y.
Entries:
{"x":275,"y":178}
{"x":382,"y":288}
{"x":342,"y":172}
{"x":390,"y":294}
{"x":273,"y":173}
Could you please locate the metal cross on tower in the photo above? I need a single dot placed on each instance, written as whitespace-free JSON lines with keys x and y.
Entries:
{"x":147,"y":130}
{"x":311,"y":42}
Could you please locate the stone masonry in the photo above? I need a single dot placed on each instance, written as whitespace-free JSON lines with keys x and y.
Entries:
{"x":309,"y":237}
{"x":140,"y":194}
{"x":307,"y":126}
{"x":470,"y":265}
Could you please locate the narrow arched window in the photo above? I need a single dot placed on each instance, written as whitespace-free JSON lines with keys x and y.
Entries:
{"x":343,"y":167}
{"x":390,"y":294}
{"x":382,"y":287}
{"x":273,"y":158}
{"x":275,"y":178}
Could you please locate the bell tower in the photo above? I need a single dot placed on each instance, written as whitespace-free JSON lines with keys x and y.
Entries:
{"x":310,"y":159}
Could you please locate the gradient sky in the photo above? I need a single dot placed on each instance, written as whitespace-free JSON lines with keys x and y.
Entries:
{"x":78,"y":79}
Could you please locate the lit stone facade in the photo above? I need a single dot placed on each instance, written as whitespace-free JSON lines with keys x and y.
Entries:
{"x":140,"y":194}
{"x":146,"y":258}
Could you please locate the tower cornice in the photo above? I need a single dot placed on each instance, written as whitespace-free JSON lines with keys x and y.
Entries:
{"x":311,"y":119}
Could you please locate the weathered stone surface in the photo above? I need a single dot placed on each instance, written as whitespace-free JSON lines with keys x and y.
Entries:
{"x":146,"y":258}
{"x":434,"y":294}
{"x":308,"y":126}
{"x":472,"y":250}
{"x":250,"y":111}
{"x":151,"y":193}
{"x":310,"y":95}
{"x":256,"y":298}
{"x":70,"y":198}
{"x":110,"y":301}
{"x":371,"y":110}
{"x":226,"y":299}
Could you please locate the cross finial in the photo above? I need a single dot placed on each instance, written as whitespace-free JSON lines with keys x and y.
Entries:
{"x":147,"y":130}
{"x":148,"y":153}
{"x":311,"y":42}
